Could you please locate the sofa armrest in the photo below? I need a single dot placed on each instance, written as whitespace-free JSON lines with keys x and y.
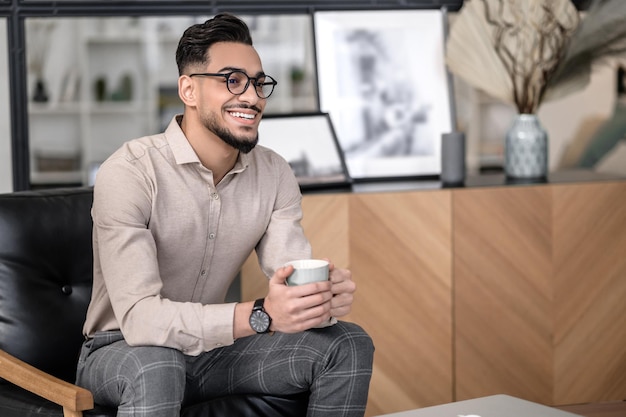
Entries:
{"x":72,"y":398}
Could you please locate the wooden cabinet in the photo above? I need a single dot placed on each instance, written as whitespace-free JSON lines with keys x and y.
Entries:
{"x":470,"y":292}
{"x":503,"y":295}
{"x":401,"y":258}
{"x":540,"y":284}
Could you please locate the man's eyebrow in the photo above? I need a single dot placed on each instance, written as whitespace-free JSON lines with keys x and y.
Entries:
{"x":228,"y":69}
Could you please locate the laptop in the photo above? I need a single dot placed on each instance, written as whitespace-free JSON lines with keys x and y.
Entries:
{"x":492,"y":406}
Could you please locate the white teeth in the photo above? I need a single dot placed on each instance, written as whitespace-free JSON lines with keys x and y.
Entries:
{"x":243,"y":115}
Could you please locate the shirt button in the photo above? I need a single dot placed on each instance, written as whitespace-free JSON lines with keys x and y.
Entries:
{"x":211,"y":235}
{"x":203,"y":273}
{"x":216,"y":196}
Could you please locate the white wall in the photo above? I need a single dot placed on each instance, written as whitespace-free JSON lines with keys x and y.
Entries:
{"x":6,"y":176}
{"x":573,"y":118}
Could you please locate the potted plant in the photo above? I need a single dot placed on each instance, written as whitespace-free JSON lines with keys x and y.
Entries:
{"x":526,"y":52}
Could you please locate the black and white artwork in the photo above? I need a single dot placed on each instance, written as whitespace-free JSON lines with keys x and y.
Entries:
{"x":383,"y":80}
{"x":308,"y":143}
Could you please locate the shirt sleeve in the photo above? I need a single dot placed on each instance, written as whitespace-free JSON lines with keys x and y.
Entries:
{"x":127,"y":258}
{"x":284,"y":239}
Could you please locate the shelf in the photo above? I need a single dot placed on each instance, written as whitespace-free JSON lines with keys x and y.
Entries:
{"x":120,"y":107}
{"x":54,"y":109}
{"x":57,"y":177}
{"x":75,"y":108}
{"x":113,"y":40}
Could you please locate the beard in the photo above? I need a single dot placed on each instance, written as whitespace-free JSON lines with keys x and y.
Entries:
{"x":241,"y":143}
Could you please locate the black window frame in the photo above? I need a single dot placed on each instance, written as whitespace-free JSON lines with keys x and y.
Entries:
{"x":16,"y":11}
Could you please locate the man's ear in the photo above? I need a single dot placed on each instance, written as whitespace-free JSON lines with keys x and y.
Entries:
{"x":186,"y":90}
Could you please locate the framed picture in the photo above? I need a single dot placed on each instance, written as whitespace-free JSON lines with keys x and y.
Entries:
{"x":382,"y":78}
{"x":308,"y":142}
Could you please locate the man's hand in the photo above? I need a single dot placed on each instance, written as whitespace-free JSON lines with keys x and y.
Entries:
{"x":343,"y":289}
{"x":297,"y":308}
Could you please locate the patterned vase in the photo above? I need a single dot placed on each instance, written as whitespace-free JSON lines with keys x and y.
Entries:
{"x":526,"y":148}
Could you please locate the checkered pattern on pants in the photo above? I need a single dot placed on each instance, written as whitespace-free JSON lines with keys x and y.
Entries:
{"x":333,"y":363}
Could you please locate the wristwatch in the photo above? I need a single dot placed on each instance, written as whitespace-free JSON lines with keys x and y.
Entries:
{"x":259,"y":319}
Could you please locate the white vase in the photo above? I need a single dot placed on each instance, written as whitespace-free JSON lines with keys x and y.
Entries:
{"x":526,"y":148}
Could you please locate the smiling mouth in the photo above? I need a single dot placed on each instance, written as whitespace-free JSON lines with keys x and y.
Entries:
{"x":240,"y":115}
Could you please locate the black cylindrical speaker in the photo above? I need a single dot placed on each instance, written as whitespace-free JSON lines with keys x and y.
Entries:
{"x":453,"y":158}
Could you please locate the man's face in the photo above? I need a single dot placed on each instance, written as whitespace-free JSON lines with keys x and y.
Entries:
{"x":233,"y":118}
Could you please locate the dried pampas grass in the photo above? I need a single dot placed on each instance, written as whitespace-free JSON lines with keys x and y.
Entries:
{"x":470,"y":53}
{"x":525,"y":52}
{"x":600,"y":36}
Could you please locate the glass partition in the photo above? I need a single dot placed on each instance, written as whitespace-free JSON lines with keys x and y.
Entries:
{"x":95,"y":83}
{"x":6,"y":175}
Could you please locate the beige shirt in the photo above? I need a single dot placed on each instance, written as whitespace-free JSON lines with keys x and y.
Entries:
{"x":168,"y":242}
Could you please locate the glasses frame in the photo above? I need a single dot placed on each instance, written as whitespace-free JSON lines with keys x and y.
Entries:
{"x":254,"y":80}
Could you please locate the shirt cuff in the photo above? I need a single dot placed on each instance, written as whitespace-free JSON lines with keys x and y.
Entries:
{"x":217,"y":325}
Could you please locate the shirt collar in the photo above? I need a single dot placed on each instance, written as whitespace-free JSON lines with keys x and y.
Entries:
{"x":242,"y":162}
{"x":180,"y":146}
{"x":184,"y":153}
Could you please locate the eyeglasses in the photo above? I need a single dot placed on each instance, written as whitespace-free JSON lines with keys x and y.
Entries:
{"x":237,"y":82}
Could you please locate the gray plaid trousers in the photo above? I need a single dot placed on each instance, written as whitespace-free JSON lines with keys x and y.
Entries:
{"x":333,"y":363}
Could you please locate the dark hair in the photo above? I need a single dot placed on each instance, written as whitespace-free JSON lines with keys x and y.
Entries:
{"x":194,"y":45}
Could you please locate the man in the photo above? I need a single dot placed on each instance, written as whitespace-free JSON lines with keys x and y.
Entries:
{"x":175,"y":216}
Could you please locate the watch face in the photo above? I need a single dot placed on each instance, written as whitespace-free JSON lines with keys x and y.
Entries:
{"x":259,"y":321}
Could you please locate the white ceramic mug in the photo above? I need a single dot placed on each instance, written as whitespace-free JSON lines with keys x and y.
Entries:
{"x":307,"y":270}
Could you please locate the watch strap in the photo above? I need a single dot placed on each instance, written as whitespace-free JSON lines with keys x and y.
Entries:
{"x":258,"y":304}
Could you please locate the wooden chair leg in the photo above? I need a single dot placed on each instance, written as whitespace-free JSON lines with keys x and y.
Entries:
{"x":70,"y":413}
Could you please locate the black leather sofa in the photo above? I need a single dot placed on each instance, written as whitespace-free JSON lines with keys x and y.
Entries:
{"x":45,"y":285}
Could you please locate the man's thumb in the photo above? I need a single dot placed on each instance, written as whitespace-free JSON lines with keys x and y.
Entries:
{"x":281,"y":274}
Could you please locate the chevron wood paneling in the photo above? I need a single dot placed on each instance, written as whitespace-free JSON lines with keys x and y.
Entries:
{"x":470,"y":292}
{"x":540,"y":284}
{"x":590,"y":292}
{"x":401,"y":255}
{"x":398,"y":246}
{"x":326,"y":223}
{"x":503,"y":292}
